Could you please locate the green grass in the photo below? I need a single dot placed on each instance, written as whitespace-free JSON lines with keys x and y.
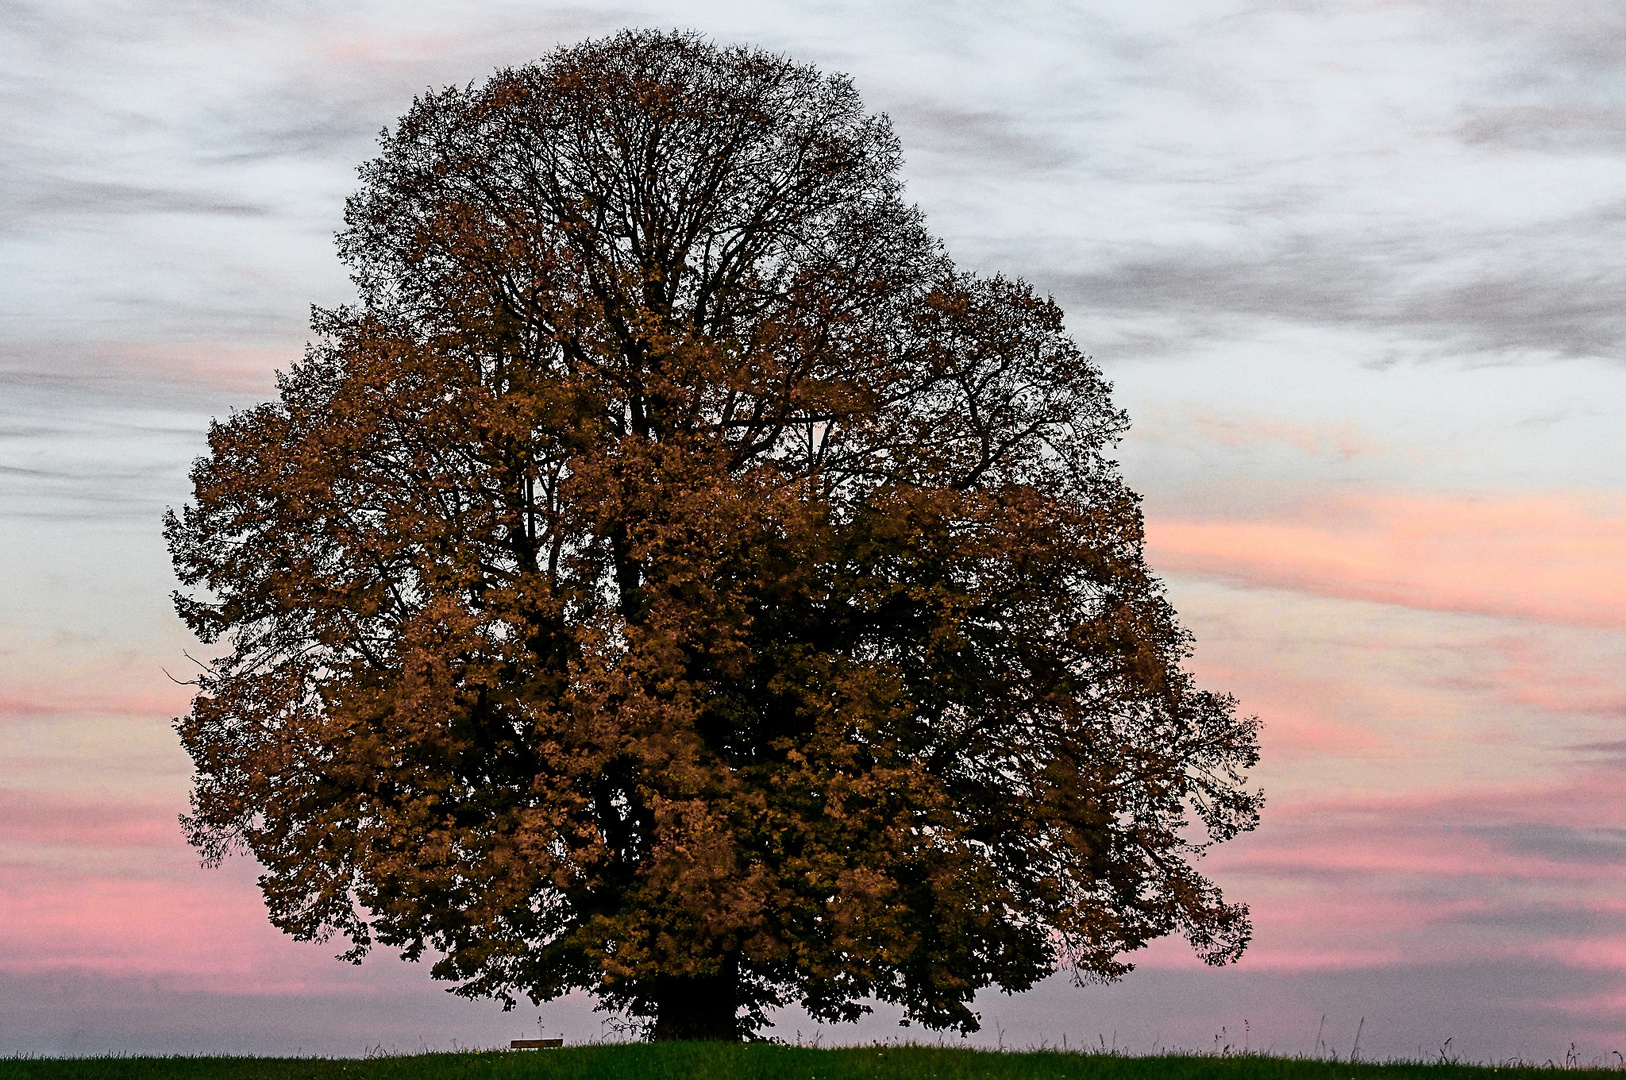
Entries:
{"x":707,"y":1061}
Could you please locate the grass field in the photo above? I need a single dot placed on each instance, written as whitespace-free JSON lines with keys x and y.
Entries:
{"x":712,"y":1061}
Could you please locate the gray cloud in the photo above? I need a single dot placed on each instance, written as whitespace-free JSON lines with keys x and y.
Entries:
{"x":1556,"y":128}
{"x":92,"y":490}
{"x":1558,"y":843}
{"x":979,"y":141}
{"x":387,"y":1005}
{"x":1536,"y":293}
{"x":1540,"y":922}
{"x":1564,"y":40}
{"x":1521,"y":302}
{"x":294,"y":129}
{"x":83,"y":439}
{"x":56,"y":197}
{"x":1379,"y":195}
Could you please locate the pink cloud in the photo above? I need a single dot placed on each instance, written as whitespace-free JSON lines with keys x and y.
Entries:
{"x":1552,"y":558}
{"x":1570,"y":677}
{"x":219,"y":365}
{"x":42,"y":681}
{"x":110,"y":701}
{"x":1534,"y":870}
{"x":103,"y":884}
{"x":1340,"y":439}
{"x":208,"y":932}
{"x":65,"y":821}
{"x":1307,"y":715}
{"x":28,"y":706}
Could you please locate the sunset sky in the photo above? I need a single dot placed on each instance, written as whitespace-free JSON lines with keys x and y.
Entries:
{"x":1357,"y":271}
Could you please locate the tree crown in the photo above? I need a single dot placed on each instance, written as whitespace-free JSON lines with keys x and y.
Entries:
{"x":675,"y":579}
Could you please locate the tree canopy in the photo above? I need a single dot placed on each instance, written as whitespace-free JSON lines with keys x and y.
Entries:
{"x":674,"y":579}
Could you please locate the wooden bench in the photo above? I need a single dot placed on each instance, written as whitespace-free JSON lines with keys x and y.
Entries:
{"x":535,"y":1044}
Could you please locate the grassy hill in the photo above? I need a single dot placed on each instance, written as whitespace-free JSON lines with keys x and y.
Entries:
{"x":706,"y":1061}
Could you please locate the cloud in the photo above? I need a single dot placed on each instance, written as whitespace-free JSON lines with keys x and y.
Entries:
{"x":1340,"y":439}
{"x":52,"y":819}
{"x":1560,"y":43}
{"x":177,"y":373}
{"x":1558,"y":128}
{"x":59,"y":198}
{"x":1531,"y":870}
{"x":1555,"y":558}
{"x":333,"y":1010}
{"x":1438,"y":176}
{"x":1558,"y":842}
{"x":106,"y":431}
{"x":1519,"y":296}
{"x":1612,"y":749}
{"x":93,"y":670}
{"x":1555,"y":307}
{"x":207,"y":928}
{"x":1575,"y":676}
{"x":970,"y":140}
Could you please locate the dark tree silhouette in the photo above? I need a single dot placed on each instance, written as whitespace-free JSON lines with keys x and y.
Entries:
{"x":674,"y":579}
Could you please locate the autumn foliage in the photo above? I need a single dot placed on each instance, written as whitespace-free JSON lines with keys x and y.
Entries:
{"x":674,"y":579}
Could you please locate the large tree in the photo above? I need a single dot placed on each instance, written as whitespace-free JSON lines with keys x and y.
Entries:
{"x":674,"y":579}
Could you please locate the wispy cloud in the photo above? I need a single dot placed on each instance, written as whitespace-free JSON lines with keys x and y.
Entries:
{"x":1564,"y":128}
{"x":1532,"y":870}
{"x":1559,"y":558}
{"x":30,"y":818}
{"x":1340,"y":439}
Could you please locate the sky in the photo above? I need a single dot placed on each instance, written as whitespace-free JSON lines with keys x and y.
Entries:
{"x":1353,"y":268}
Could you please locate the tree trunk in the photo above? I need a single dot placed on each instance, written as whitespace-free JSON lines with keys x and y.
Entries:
{"x":704,"y":1007}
